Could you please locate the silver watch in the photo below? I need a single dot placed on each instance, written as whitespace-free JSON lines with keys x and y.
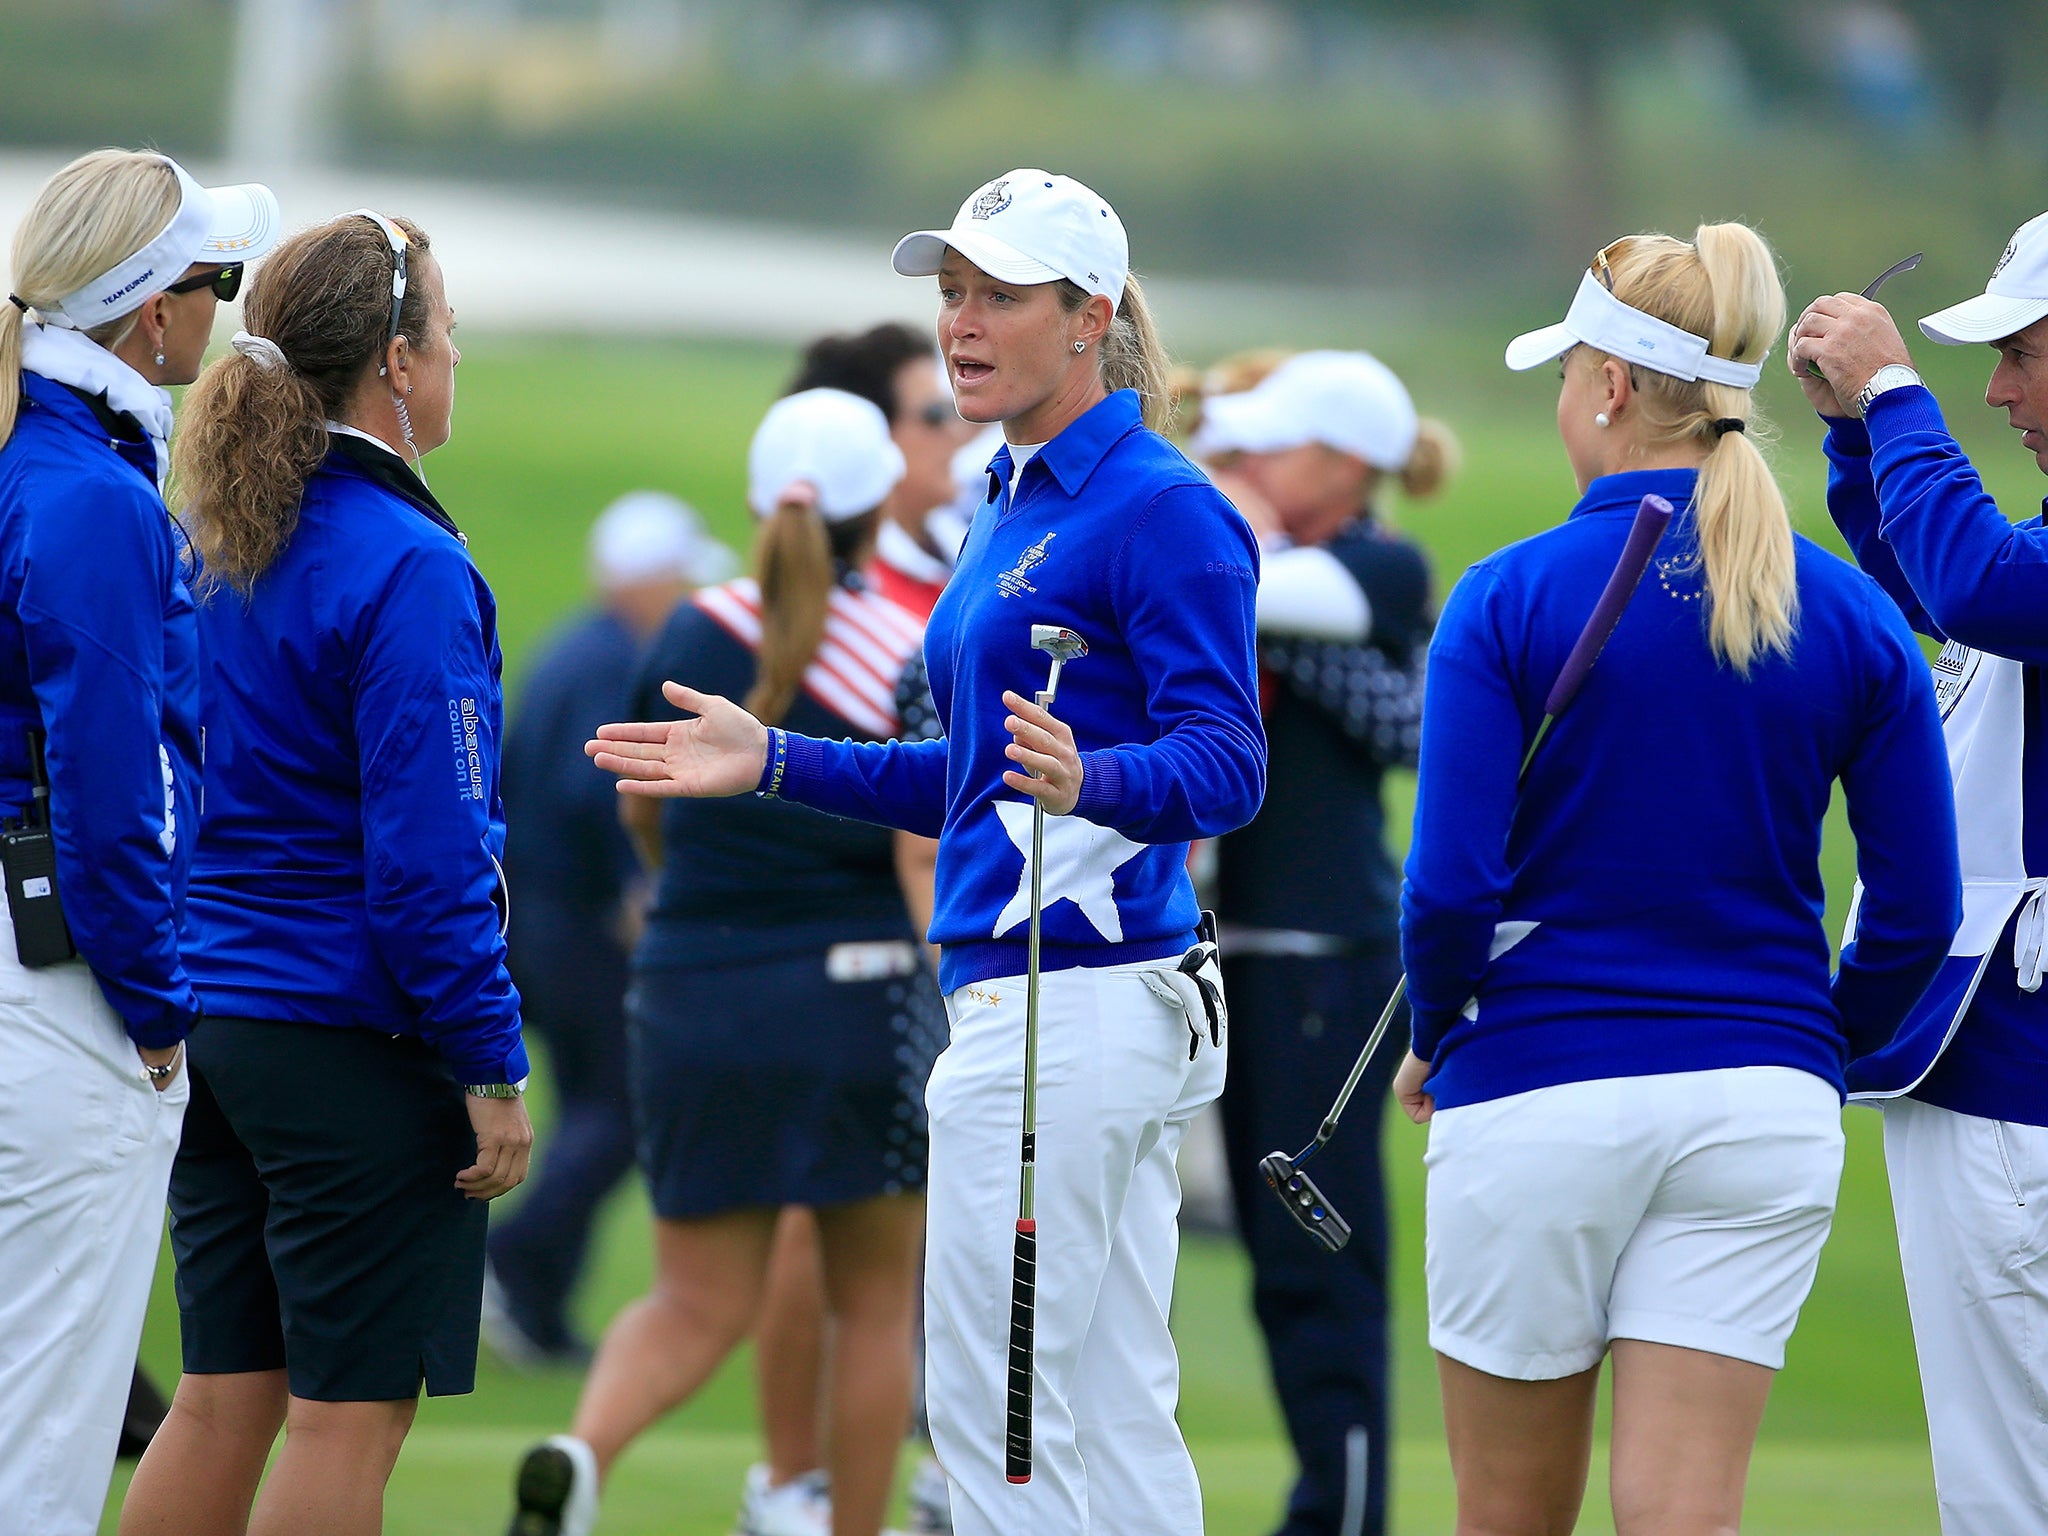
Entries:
{"x":496,"y":1090}
{"x":1890,"y":376}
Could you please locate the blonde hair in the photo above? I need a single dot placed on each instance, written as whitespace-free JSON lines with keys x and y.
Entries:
{"x":1130,"y":354}
{"x":796,"y":555}
{"x":1723,"y":286}
{"x":253,"y":434}
{"x":1434,"y":459}
{"x":89,"y":218}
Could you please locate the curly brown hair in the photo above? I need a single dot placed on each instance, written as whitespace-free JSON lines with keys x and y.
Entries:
{"x":253,"y":433}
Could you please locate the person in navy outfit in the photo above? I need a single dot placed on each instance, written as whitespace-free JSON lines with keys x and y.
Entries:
{"x":355,"y":1099}
{"x":1626,"y":1041}
{"x":577,"y":899}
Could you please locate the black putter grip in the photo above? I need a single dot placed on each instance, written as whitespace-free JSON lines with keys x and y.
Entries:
{"x":1023,"y":1327}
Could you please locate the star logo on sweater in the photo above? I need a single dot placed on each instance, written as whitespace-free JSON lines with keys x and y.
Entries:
{"x":1081,"y":861}
{"x":1012,"y":581}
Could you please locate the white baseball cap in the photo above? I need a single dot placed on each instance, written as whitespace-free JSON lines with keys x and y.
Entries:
{"x":2014,"y":299}
{"x":646,"y":535}
{"x":1029,"y":227}
{"x":1600,"y":320}
{"x":1349,"y":401}
{"x":836,"y":443}
{"x":227,"y":224}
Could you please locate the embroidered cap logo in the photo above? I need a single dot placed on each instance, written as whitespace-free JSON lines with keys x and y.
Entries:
{"x":2004,"y":261}
{"x":992,"y":201}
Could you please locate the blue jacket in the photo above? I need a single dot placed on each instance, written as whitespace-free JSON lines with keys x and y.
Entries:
{"x":1114,"y":534}
{"x":1919,"y":520}
{"x":1651,"y":899}
{"x":97,"y":648}
{"x":352,"y":834}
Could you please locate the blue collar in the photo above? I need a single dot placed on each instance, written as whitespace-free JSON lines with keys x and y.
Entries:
{"x":96,"y":420}
{"x":1085,"y":442}
{"x":1625,"y":492}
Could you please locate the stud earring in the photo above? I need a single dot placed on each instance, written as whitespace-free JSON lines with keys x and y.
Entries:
{"x":1601,"y":419}
{"x":159,"y":357}
{"x":1080,"y":346}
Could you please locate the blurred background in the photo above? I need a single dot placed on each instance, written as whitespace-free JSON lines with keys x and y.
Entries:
{"x":643,"y":205}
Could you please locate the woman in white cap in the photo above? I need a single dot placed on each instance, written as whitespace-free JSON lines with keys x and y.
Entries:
{"x":117,"y":268}
{"x":1627,"y":1043}
{"x":1096,"y":525}
{"x":1308,"y":897}
{"x":782,"y":1019}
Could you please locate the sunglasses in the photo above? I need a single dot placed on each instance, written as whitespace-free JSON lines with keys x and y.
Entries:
{"x":938,"y":414}
{"x":225,"y":282}
{"x":1601,"y":269}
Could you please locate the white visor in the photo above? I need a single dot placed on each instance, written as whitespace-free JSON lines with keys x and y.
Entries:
{"x":230,"y":224}
{"x":1598,"y":319}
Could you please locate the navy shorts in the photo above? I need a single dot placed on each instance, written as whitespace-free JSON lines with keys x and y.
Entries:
{"x":314,"y":1215}
{"x":771,"y":1083}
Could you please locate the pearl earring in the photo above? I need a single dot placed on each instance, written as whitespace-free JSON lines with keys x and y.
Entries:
{"x":1080,"y":346}
{"x":1601,"y":419}
{"x":159,"y":357}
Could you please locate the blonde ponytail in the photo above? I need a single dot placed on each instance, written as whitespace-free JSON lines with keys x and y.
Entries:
{"x":1725,"y":287}
{"x":88,"y":218}
{"x":1433,"y":460}
{"x":1130,"y":353}
{"x":793,"y":562}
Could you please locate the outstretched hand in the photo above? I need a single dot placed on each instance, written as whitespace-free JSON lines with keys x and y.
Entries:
{"x":721,"y":752}
{"x":1044,"y":745}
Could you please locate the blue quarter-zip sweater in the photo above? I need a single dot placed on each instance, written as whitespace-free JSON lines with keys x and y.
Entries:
{"x":352,"y":832}
{"x":98,"y":649}
{"x":1651,"y":901}
{"x":1114,"y":534}
{"x":1920,"y":522}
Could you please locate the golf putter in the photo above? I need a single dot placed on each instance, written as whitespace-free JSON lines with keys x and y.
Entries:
{"x":1876,"y":283}
{"x":1295,"y":1190}
{"x":1063,"y":645}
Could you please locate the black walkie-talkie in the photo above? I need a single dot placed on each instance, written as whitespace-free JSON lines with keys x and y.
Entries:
{"x":28,"y":854}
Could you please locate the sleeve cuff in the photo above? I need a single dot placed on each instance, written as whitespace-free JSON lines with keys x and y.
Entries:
{"x":1848,"y":438}
{"x":509,"y":1068}
{"x":1102,"y":787}
{"x":1911,"y":408}
{"x":800,"y":761}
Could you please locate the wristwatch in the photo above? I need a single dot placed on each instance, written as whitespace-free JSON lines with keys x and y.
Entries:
{"x":1890,"y":376}
{"x":496,"y":1090}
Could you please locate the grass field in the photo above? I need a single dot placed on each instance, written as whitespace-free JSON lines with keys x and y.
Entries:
{"x":547,"y":433}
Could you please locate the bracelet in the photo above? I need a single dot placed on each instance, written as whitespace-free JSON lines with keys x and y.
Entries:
{"x":169,"y":1069}
{"x":778,"y":759}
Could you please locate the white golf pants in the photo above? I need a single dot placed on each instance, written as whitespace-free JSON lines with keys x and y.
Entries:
{"x":1116,"y":1090}
{"x":85,"y":1157}
{"x":1971,"y":1200}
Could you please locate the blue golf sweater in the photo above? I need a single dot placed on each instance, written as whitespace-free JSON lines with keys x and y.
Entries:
{"x":1114,"y":534}
{"x":1666,"y":845}
{"x":1919,"y":520}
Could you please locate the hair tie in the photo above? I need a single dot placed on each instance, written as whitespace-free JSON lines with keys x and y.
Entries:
{"x":1721,"y":426}
{"x":260,"y":350}
{"x":18,"y":302}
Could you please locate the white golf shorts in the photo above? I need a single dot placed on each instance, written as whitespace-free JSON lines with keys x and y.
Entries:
{"x":1687,"y":1208}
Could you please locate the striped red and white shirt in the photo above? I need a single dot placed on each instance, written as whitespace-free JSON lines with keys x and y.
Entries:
{"x":867,"y":641}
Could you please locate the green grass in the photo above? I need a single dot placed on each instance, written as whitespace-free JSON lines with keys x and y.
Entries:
{"x":546,"y":434}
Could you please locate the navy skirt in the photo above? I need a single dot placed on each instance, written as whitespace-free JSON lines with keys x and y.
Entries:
{"x":793,"y":1081}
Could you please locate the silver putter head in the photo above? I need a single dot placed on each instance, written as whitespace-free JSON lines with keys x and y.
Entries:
{"x":1063,"y":645}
